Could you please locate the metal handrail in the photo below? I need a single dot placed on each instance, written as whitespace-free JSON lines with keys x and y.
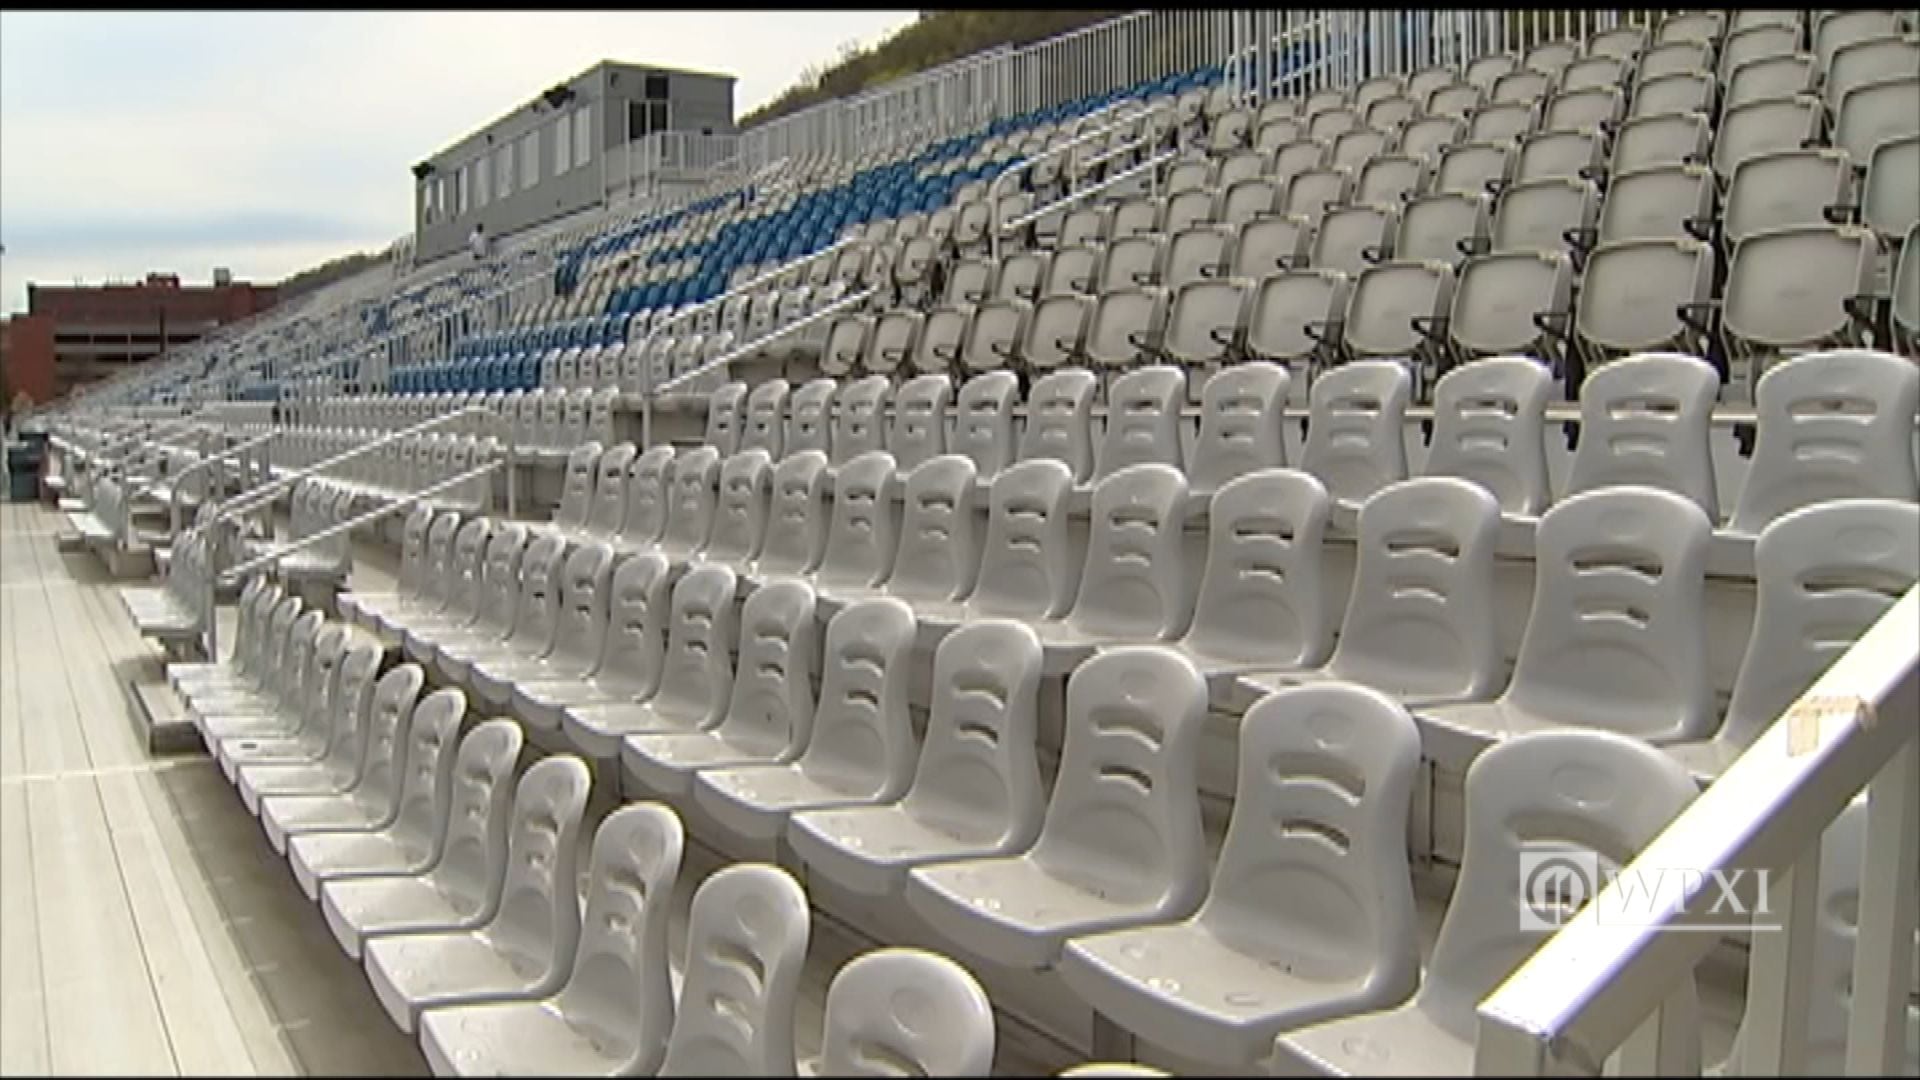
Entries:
{"x":173,"y":492}
{"x":648,"y":390}
{"x":246,"y":500}
{"x":1082,"y":194}
{"x":205,"y":461}
{"x":995,"y":226}
{"x":217,"y":577}
{"x":705,"y":305}
{"x":1607,"y":976}
{"x":140,"y":438}
{"x":231,"y":574}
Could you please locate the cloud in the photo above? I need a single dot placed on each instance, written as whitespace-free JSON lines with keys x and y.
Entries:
{"x":132,"y":141}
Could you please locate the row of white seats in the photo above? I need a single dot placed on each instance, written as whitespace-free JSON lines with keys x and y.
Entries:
{"x":177,"y":611}
{"x":1644,"y":420}
{"x":404,"y":466}
{"x":453,"y":883}
{"x":998,"y":886}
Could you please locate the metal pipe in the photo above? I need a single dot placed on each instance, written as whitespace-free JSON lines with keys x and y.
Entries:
{"x":142,"y":436}
{"x":173,"y":491}
{"x":228,"y":576}
{"x":248,"y":499}
{"x":995,"y":227}
{"x":1077,"y":196}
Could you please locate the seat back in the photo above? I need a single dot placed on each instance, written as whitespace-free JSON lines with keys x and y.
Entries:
{"x":1543,"y":795}
{"x":1616,"y":638}
{"x":770,"y":713}
{"x":1135,"y":585}
{"x":1500,"y":297}
{"x":250,"y":629}
{"x":1892,"y":174}
{"x":808,"y":420}
{"x":1832,"y":425}
{"x":1787,"y":188}
{"x":863,"y":534}
{"x":1872,"y":112}
{"x":609,"y":507}
{"x":645,"y":518}
{"x":978,"y":775}
{"x":537,"y":614}
{"x":537,"y":920}
{"x":619,"y":993}
{"x":425,"y":795}
{"x":500,"y":580}
{"x":1240,"y":417}
{"x":1060,"y":421}
{"x":740,"y":510}
{"x":1313,"y":871}
{"x":724,"y":415}
{"x":796,"y":528}
{"x":635,"y":639}
{"x":470,"y":823}
{"x":939,"y":553}
{"x":1489,"y":426}
{"x":857,"y":422}
{"x":995,"y":333}
{"x":440,"y":579}
{"x":735,"y":1017}
{"x":1124,"y":819}
{"x":693,"y":487}
{"x":581,"y":626}
{"x":906,"y":1010}
{"x":576,"y":486}
{"x":1027,"y":567}
{"x":918,"y":431}
{"x":696,"y":670}
{"x":373,"y":742}
{"x":271,"y":651}
{"x":1355,"y":416}
{"x":292,"y":673}
{"x":1656,"y":200}
{"x":1647,"y":420}
{"x":1143,"y":420}
{"x":298,"y":671}
{"x":1635,"y":291}
{"x":1125,"y":328}
{"x":1262,"y":596}
{"x":413,"y":551}
{"x":1823,"y":574}
{"x":466,"y":591}
{"x":983,"y":421}
{"x":863,"y":743}
{"x":766,"y":418}
{"x":1419,"y":621}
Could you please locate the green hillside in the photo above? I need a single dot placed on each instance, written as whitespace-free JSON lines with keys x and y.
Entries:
{"x":937,"y":38}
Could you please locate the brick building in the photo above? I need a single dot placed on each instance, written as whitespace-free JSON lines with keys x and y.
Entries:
{"x":72,"y":335}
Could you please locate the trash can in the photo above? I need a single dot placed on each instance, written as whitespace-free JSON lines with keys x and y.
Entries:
{"x":23,"y":469}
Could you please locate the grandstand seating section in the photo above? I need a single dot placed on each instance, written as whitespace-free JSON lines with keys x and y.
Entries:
{"x":1252,"y":461}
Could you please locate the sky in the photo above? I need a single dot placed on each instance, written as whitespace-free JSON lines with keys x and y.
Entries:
{"x":270,"y":142}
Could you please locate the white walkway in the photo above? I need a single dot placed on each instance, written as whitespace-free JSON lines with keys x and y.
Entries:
{"x":146,"y":927}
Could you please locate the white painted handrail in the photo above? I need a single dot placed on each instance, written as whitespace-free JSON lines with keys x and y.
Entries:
{"x":1599,"y":979}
